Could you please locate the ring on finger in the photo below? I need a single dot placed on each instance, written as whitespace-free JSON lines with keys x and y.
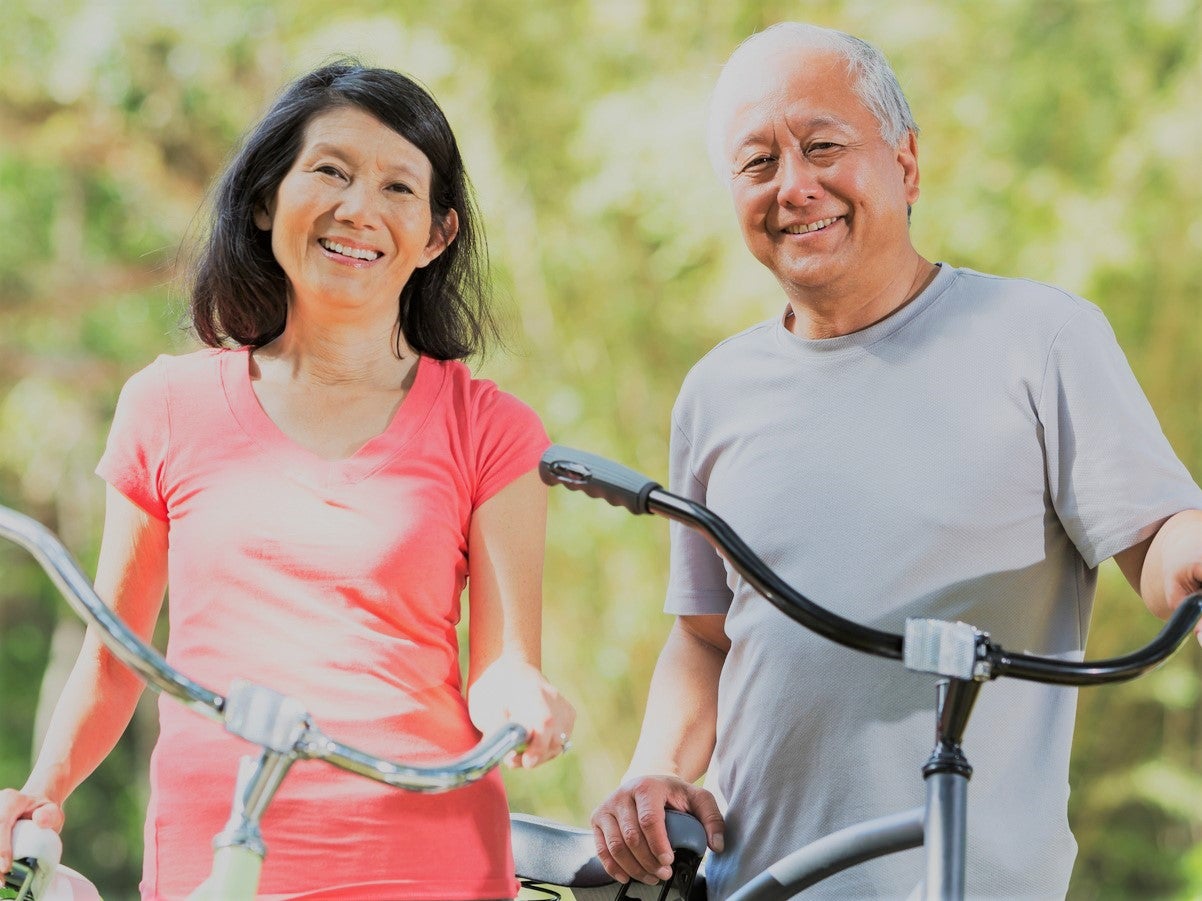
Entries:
{"x":565,"y":742}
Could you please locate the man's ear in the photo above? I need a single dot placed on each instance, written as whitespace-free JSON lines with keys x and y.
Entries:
{"x":441,"y":235}
{"x":907,"y":158}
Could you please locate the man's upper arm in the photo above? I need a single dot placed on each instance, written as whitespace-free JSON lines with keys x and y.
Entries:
{"x":707,"y":628}
{"x":1131,"y":561}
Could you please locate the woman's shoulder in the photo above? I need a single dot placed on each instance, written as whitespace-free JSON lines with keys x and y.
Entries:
{"x":175,"y":375}
{"x":190,"y":363}
{"x":468,"y":391}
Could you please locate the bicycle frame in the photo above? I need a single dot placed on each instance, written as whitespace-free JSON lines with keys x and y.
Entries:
{"x":278,"y":724}
{"x":963,"y":657}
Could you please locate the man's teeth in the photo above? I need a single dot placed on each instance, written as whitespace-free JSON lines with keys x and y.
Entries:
{"x":812,"y":227}
{"x":353,"y":252}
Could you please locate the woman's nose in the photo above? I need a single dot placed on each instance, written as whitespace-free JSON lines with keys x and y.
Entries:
{"x":357,"y":205}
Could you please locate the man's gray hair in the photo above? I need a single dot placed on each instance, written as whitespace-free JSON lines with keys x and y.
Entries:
{"x":872,"y":77}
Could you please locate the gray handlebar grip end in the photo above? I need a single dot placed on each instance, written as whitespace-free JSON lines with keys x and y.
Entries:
{"x":597,"y":477}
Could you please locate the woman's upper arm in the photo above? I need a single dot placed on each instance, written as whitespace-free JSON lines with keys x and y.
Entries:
{"x":131,"y":573}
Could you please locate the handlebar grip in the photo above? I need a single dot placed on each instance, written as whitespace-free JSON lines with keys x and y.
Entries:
{"x":42,"y":849}
{"x":37,"y":843}
{"x":597,"y":477}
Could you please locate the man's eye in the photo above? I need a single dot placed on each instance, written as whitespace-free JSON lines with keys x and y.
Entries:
{"x":821,"y":147}
{"x":757,"y":163}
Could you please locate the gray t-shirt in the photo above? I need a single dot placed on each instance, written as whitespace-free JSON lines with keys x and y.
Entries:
{"x":974,"y":456}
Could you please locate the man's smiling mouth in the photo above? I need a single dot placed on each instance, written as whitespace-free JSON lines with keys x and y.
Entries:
{"x":811,"y":227}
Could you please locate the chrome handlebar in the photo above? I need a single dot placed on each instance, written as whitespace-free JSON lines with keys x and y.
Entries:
{"x":271,"y":720}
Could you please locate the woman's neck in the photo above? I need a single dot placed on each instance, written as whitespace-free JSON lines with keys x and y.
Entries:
{"x":339,"y":356}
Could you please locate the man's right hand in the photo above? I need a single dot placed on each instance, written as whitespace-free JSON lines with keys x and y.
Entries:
{"x":629,"y":830}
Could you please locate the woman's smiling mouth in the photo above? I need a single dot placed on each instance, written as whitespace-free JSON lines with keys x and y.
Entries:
{"x":355,"y":253}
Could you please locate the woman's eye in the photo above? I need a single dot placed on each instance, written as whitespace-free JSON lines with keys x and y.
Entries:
{"x":400,"y":188}
{"x":329,"y":170}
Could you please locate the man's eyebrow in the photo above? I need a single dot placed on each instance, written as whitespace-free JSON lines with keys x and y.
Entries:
{"x":755,"y":136}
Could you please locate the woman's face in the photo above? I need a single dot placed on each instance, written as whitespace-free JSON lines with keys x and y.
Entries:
{"x":351,"y":220}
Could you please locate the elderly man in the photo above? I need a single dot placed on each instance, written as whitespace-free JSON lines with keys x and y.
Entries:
{"x":906,"y":438}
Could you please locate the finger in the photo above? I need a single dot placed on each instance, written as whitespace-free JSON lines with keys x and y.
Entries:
{"x":634,"y":826}
{"x":538,"y":748}
{"x":704,"y":807}
{"x":649,"y":808}
{"x":610,"y":840}
{"x":612,"y":867}
{"x":563,"y":740}
{"x":48,"y":815}
{"x":13,"y":805}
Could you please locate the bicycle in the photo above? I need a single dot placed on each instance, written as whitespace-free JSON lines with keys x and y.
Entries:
{"x":550,"y":856}
{"x":963,"y":657}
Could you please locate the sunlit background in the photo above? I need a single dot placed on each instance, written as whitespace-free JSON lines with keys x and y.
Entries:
{"x":1060,"y":141}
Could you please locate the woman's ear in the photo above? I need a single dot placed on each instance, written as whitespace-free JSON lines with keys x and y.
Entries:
{"x":441,"y":235}
{"x":264,"y":214}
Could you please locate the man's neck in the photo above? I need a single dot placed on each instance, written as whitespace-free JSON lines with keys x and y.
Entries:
{"x":831,"y":312}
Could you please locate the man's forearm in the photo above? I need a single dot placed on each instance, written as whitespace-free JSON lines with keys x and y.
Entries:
{"x":682,"y":705}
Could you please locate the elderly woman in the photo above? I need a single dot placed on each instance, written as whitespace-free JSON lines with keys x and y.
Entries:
{"x":315,"y":489}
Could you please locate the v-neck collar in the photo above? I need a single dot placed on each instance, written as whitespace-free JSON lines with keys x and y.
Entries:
{"x":408,"y":419}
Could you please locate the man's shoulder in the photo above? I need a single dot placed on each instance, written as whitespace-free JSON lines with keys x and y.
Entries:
{"x":750,"y":342}
{"x":1014,"y":296}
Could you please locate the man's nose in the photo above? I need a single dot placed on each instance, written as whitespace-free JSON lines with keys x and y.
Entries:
{"x":798,"y":180}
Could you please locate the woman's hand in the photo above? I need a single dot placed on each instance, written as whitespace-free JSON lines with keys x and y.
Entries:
{"x":514,"y":691}
{"x":14,"y":806}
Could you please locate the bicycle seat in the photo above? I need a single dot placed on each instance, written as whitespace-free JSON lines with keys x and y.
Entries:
{"x":547,"y":853}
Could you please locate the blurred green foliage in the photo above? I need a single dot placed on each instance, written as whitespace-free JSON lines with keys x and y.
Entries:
{"x":1061,"y":141}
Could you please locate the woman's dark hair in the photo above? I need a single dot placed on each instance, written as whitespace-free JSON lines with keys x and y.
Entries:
{"x":239,"y":291}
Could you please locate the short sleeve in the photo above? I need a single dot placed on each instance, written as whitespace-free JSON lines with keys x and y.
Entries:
{"x":1112,"y":474}
{"x":136,"y":451}
{"x":509,"y":440}
{"x":696,"y":573}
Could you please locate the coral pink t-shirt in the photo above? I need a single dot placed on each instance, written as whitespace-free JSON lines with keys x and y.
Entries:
{"x":337,"y":583}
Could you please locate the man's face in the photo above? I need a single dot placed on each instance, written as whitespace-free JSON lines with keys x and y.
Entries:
{"x":821,"y":198}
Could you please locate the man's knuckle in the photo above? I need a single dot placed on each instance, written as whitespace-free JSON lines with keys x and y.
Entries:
{"x":615,"y":844}
{"x":649,"y":817}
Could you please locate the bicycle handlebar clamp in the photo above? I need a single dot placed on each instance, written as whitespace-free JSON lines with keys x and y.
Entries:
{"x":265,"y":717}
{"x":944,"y":648}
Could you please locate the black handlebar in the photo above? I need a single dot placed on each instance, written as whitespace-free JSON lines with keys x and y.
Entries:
{"x":620,"y":486}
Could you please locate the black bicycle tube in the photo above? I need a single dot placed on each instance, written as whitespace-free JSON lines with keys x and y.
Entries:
{"x":1098,"y":672}
{"x":757,"y":573}
{"x":886,"y":644}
